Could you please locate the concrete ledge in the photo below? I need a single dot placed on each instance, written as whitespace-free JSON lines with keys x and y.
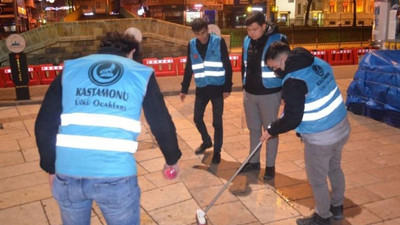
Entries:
{"x":169,"y":86}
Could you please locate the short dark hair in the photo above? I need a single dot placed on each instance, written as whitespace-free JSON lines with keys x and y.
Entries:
{"x":255,"y":17}
{"x":124,"y":42}
{"x":199,"y":24}
{"x":275,"y":49}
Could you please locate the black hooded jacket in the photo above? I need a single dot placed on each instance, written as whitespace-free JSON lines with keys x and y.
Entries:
{"x":294,"y":92}
{"x":254,"y":83}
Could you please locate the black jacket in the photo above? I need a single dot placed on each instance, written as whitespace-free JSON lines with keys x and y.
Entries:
{"x":211,"y":91}
{"x":254,"y":83}
{"x":294,"y":92}
{"x":155,"y":111}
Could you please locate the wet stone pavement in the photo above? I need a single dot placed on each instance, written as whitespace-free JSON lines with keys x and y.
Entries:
{"x":371,"y":163}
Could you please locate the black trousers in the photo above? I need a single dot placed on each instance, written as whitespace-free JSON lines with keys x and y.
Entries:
{"x":200,"y":105}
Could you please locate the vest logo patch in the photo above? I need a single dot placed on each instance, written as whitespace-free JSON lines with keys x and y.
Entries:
{"x":318,"y":70}
{"x":105,"y":73}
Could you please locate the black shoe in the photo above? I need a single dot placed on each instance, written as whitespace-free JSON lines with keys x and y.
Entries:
{"x":337,"y":212}
{"x":314,"y":219}
{"x":202,"y":148}
{"x":269,"y":173}
{"x":216,"y":158}
{"x":250,"y":167}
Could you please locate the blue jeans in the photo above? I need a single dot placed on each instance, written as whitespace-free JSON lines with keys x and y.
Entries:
{"x":118,"y":199}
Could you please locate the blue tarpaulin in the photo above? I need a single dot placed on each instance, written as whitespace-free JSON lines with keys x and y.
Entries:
{"x":375,"y":89}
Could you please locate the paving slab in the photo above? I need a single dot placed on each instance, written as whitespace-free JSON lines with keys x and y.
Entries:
{"x":370,"y":161}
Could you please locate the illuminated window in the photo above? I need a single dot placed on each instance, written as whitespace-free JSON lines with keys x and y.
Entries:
{"x":371,"y":7}
{"x":360,"y":4}
{"x":345,"y":6}
{"x":332,"y":6}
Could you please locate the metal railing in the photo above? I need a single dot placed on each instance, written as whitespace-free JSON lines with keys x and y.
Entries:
{"x":315,"y":36}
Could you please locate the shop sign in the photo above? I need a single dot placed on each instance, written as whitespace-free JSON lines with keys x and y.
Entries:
{"x":242,"y":2}
{"x":219,"y":7}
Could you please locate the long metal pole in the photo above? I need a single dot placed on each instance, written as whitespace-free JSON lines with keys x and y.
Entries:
{"x":233,"y":177}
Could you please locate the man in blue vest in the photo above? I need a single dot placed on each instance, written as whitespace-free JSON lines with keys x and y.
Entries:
{"x":262,"y":89}
{"x":208,"y":60}
{"x":314,"y":108}
{"x":87,"y":128}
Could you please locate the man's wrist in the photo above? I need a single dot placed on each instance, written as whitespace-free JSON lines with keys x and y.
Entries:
{"x":269,"y":128}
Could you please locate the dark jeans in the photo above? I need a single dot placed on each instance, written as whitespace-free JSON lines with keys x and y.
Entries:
{"x":200,"y":105}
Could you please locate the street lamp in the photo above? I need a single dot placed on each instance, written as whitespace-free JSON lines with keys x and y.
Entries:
{"x":274,"y":9}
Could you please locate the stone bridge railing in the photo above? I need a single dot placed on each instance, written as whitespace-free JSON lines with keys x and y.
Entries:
{"x":56,"y":42}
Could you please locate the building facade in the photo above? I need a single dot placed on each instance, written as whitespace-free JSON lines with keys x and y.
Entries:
{"x":23,"y":15}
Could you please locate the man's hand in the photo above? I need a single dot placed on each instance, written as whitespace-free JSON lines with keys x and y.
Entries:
{"x":51,"y":179}
{"x":182,"y":96}
{"x":265,"y":136}
{"x":171,"y":172}
{"x":226,"y":94}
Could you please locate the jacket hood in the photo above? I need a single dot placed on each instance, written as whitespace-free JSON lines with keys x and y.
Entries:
{"x":272,"y":28}
{"x":299,"y":58}
{"x":111,"y":50}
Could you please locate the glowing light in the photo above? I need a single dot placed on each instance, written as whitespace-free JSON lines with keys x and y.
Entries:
{"x":140,"y":11}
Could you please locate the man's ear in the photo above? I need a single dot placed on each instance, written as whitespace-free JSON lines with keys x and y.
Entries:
{"x":130,"y":54}
{"x":264,"y":26}
{"x":284,"y":57}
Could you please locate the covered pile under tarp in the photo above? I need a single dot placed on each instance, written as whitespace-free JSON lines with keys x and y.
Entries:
{"x":375,"y":89}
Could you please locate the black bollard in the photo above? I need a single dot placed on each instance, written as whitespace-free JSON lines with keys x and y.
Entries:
{"x":20,"y":76}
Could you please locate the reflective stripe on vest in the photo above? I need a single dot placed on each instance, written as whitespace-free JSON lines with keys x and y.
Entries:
{"x":324,"y":107}
{"x":96,"y":143}
{"x":211,"y":70}
{"x":100,"y":121}
{"x":269,"y":78}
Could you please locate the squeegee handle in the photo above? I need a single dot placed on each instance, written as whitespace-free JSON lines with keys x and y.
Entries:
{"x":233,"y":177}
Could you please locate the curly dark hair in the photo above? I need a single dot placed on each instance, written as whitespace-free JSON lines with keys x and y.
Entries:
{"x":124,"y":42}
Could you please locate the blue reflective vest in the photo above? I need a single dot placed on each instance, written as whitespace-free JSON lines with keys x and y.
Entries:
{"x":102,"y":98}
{"x":270,"y":80}
{"x":211,"y":71}
{"x":324,"y":107}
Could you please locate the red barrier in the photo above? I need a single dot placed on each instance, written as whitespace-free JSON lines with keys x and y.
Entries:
{"x":47,"y":73}
{"x":180,"y":63}
{"x":2,"y":77}
{"x":358,"y":53}
{"x":320,"y":54}
{"x":33,"y":77}
{"x":162,"y":67}
{"x":236,"y":62}
{"x":340,"y":57}
{"x":8,"y":77}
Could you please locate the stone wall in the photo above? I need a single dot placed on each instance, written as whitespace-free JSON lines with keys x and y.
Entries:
{"x":57,"y":42}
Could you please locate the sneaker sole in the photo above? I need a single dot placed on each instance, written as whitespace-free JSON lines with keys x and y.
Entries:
{"x":336,"y":218}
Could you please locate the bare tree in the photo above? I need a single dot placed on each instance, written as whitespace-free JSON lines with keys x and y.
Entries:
{"x":308,"y":12}
{"x":354,"y":13}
